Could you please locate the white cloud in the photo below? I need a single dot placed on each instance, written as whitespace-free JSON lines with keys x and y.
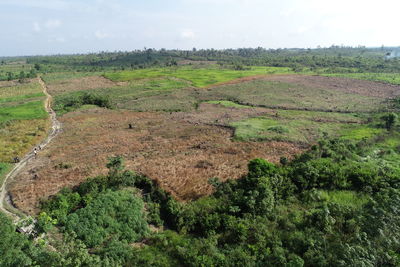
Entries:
{"x":188,"y":35}
{"x":52,"y":23}
{"x":36,"y":27}
{"x":101,"y":35}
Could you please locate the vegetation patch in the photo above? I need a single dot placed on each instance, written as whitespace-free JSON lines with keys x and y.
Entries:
{"x":284,"y":95}
{"x":392,"y":78}
{"x":18,"y":138}
{"x":27,"y":111}
{"x":344,"y":198}
{"x":74,"y":101}
{"x":228,"y":104}
{"x":301,"y":126}
{"x":199,"y":77}
{"x":361,"y":132}
{"x":118,"y":215}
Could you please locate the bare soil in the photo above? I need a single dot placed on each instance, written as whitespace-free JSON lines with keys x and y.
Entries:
{"x":176,"y":151}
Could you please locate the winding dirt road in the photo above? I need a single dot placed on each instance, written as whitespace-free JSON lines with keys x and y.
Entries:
{"x":5,"y":205}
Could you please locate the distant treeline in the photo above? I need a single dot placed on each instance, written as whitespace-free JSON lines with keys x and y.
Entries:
{"x":332,"y":59}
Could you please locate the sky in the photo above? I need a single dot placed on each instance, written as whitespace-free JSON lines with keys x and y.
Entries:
{"x":45,"y":27}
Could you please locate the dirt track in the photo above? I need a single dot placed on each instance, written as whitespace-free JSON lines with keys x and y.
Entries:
{"x":5,"y":206}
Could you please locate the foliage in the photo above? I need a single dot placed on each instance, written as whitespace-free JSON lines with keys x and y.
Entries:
{"x":320,"y":209}
{"x":390,"y":120}
{"x":73,"y":101}
{"x":117,"y":215}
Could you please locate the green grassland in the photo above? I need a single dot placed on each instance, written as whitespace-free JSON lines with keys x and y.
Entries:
{"x":294,"y":129}
{"x":4,"y":169}
{"x":199,"y":77}
{"x":25,"y":111}
{"x":393,"y":78}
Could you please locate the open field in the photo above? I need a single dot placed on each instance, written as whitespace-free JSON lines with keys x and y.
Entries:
{"x":206,"y":132}
{"x":199,"y":77}
{"x":23,"y":119}
{"x":280,"y":92}
{"x":181,"y":156}
{"x":272,"y":91}
{"x":66,"y":85}
{"x":392,"y":78}
{"x":350,"y":85}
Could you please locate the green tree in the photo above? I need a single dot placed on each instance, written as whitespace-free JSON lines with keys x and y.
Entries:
{"x":390,"y":120}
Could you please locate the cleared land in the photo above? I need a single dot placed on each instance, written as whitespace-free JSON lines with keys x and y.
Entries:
{"x":206,"y":132}
{"x":198,"y":76}
{"x":283,"y":93}
{"x":182,"y":156}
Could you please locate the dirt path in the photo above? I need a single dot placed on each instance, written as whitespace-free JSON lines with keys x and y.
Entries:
{"x":5,"y":201}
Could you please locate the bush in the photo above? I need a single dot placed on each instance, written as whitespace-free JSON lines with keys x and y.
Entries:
{"x":119,"y":215}
{"x":70,"y":102}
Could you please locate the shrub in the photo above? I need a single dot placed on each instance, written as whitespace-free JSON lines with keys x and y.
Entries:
{"x":118,"y":215}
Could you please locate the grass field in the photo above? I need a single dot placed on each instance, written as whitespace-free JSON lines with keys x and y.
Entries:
{"x":276,"y":94}
{"x":4,"y":169}
{"x":199,"y":77}
{"x":306,"y":128}
{"x":24,"y":89}
{"x":23,"y":119}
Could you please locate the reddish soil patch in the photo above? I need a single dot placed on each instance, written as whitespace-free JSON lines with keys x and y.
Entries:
{"x":180,"y":155}
{"x":348,"y":85}
{"x":79,"y":84}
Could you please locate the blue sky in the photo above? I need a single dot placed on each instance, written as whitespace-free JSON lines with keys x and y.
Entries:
{"x":31,"y":27}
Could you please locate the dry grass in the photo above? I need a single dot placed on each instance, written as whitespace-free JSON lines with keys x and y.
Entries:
{"x":347,"y":85}
{"x":78,"y":84}
{"x":180,"y":155}
{"x":17,"y":138}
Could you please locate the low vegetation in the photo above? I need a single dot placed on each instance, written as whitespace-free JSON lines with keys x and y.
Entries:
{"x":392,"y":78}
{"x":199,"y":77}
{"x":23,"y":119}
{"x":71,"y":102}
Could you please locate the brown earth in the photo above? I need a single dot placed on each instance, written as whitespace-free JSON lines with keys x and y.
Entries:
{"x":79,"y":84}
{"x":7,"y":83}
{"x":177,"y":152}
{"x":347,"y":85}
{"x":218,"y":115}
